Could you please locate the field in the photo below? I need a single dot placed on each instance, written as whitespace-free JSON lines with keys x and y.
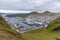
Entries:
{"x":7,"y":36}
{"x":41,"y":34}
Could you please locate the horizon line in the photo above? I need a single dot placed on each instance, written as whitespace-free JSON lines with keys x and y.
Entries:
{"x":17,"y":11}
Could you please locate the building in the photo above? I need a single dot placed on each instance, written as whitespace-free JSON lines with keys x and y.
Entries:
{"x":38,"y":24}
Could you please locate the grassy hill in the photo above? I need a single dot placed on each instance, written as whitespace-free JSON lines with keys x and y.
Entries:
{"x":54,"y":25}
{"x":6,"y":33}
{"x":21,"y":15}
{"x":9,"y":34}
{"x":41,"y":34}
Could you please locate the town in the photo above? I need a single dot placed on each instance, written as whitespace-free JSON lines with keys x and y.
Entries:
{"x":33,"y":21}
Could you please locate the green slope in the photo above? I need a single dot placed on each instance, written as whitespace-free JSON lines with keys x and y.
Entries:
{"x":6,"y":33}
{"x":54,"y":24}
{"x":41,"y":34}
{"x":11,"y":32}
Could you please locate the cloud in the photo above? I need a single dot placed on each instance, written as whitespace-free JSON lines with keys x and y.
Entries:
{"x":54,"y":6}
{"x":30,"y":5}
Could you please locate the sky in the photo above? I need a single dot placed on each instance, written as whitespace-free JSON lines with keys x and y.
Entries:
{"x":30,"y":5}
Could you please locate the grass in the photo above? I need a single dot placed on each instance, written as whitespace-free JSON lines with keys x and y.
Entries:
{"x":7,"y":29}
{"x":12,"y":32}
{"x":54,"y":24}
{"x":4,"y":35}
{"x":41,"y":34}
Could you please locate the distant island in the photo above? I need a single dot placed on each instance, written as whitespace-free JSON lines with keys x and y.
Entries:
{"x":46,"y":13}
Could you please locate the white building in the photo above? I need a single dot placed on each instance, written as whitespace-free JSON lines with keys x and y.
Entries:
{"x":17,"y":25}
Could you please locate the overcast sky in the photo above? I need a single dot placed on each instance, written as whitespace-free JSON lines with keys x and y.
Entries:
{"x":30,"y":5}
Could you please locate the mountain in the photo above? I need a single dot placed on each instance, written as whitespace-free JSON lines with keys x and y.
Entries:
{"x":46,"y":13}
{"x":21,"y":15}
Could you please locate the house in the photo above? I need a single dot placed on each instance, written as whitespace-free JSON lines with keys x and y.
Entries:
{"x":15,"y":26}
{"x":30,"y":21}
{"x":38,"y":24}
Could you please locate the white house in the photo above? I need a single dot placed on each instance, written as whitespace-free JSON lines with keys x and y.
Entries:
{"x":17,"y":25}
